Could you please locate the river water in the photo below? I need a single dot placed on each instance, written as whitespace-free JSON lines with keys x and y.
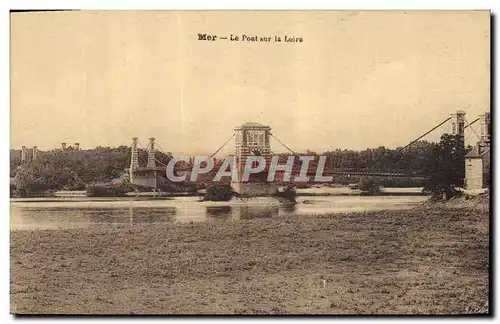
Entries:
{"x":63,"y":213}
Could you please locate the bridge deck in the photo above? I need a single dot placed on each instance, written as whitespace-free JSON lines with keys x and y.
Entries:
{"x":374,"y":173}
{"x":142,"y":169}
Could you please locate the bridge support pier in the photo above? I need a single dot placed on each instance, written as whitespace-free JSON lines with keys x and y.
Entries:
{"x":255,"y":188}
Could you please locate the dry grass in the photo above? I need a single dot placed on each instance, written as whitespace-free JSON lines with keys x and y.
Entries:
{"x":429,"y":260}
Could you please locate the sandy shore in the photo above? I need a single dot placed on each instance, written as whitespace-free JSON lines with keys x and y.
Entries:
{"x":429,"y":260}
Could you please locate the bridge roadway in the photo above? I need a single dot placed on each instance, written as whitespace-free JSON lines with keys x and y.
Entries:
{"x":373,"y":173}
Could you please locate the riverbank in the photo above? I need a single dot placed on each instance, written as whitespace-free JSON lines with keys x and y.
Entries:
{"x":347,"y":191}
{"x":306,"y":192}
{"x":432,"y":259}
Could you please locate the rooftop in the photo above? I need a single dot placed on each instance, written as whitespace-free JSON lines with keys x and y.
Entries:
{"x":252,"y":125}
{"x":474,"y":153}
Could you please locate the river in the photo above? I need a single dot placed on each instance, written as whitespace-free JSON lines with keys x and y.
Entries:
{"x":64,"y":213}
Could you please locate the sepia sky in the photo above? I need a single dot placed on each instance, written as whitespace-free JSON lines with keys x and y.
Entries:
{"x":358,"y":80}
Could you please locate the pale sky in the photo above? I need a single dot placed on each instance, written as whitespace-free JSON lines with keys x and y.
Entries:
{"x":358,"y":80}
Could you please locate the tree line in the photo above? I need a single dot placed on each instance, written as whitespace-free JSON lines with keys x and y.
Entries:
{"x":75,"y":169}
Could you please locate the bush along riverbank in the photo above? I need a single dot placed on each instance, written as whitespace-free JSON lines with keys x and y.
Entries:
{"x":224,"y":192}
{"x":432,"y":259}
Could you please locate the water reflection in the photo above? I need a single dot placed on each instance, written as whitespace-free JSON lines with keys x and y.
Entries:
{"x":85,"y":213}
{"x":249,"y":212}
{"x":74,"y":217}
{"x":288,"y":208}
{"x":152,"y":215}
{"x":241,"y":212}
{"x":219,"y":212}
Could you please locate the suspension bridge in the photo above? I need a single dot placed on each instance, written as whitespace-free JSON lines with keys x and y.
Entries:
{"x":254,"y":139}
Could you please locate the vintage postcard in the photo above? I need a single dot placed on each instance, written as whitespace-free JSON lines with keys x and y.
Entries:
{"x":250,"y":162}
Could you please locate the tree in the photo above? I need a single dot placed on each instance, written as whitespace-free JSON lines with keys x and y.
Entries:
{"x":446,"y":166}
{"x":68,"y":169}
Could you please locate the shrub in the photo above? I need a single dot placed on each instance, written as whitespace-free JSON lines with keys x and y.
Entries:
{"x":107,"y":190}
{"x":218,"y":193}
{"x":369,"y":185}
{"x":289,"y":194}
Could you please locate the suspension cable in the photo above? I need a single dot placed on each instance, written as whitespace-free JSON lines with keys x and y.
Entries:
{"x":283,"y":144}
{"x":138,"y":155}
{"x":429,"y":131}
{"x":163,"y":151}
{"x":142,"y":146}
{"x":401,"y":159}
{"x":393,"y":165}
{"x":473,"y":130}
{"x":222,"y":146}
{"x":156,"y":160}
{"x":466,"y":138}
{"x":163,"y":164}
{"x":472,"y":123}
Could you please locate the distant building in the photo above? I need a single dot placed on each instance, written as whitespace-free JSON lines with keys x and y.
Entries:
{"x":474,"y":170}
{"x":477,"y":161}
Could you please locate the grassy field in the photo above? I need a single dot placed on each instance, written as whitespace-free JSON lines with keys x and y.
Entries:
{"x":429,"y":260}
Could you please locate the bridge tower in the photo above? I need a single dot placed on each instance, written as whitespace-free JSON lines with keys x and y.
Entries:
{"x":144,"y":176}
{"x":485,"y":135}
{"x":458,"y":123}
{"x":253,"y":139}
{"x":134,"y":159}
{"x":485,"y":124}
{"x":151,"y":153}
